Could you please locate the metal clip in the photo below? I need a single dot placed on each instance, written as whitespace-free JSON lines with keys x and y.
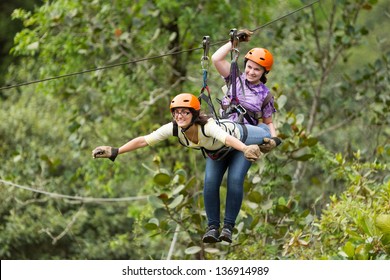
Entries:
{"x":241,"y":110}
{"x":234,"y":39}
{"x":206,"y":48}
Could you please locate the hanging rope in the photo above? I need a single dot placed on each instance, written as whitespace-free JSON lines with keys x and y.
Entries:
{"x":78,"y":198}
{"x":147,"y":58}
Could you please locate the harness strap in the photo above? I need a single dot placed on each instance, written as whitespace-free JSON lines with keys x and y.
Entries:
{"x":258,"y":115}
{"x":205,"y":65}
{"x":209,"y":102}
{"x":222,"y":152}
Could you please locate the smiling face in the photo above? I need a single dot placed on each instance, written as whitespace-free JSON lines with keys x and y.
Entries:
{"x":182,"y":116}
{"x":253,"y":72}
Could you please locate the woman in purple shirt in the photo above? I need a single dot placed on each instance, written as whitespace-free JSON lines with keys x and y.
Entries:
{"x":251,"y":94}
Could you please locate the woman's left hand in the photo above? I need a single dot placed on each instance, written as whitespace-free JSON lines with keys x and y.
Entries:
{"x":269,"y":144}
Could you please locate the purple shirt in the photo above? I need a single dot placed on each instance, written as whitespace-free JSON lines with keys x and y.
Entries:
{"x":252,"y":98}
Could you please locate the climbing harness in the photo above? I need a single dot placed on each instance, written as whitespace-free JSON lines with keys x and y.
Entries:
{"x":224,"y":150}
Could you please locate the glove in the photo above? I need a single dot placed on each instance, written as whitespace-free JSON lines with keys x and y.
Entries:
{"x":105,"y":152}
{"x":252,"y":152}
{"x":244,"y":35}
{"x":269,"y":144}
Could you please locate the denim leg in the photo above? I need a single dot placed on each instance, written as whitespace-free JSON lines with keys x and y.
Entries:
{"x":215,"y":170}
{"x":256,"y":134}
{"x":238,"y":167}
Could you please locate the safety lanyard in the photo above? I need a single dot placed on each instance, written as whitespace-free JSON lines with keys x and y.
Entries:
{"x":235,"y":105}
{"x":234,"y":71}
{"x":205,"y":66}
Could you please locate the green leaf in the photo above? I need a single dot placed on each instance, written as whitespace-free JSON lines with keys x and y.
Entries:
{"x":176,"y":201}
{"x":182,"y":175}
{"x":254,"y":222}
{"x":349,"y":249}
{"x":310,"y":141}
{"x":281,"y":101}
{"x":282,"y":201}
{"x":192,"y":250}
{"x":255,"y":196}
{"x":162,"y":179}
{"x":155,"y":201}
{"x":178,"y":189}
{"x":304,"y":157}
{"x":191,"y":182}
{"x":212,"y":250}
{"x":282,"y":209}
{"x":267,"y":205}
{"x":361,"y":252}
{"x":152,"y":224}
{"x":160,"y":213}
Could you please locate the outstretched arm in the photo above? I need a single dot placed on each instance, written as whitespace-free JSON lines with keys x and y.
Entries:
{"x":112,"y":153}
{"x":133,"y":144}
{"x":251,"y":152}
{"x":235,"y":143}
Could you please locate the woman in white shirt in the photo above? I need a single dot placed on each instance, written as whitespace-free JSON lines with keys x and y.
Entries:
{"x":198,"y":131}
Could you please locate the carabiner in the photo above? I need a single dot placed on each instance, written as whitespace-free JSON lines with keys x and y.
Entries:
{"x":206,"y":48}
{"x":241,"y":110}
{"x":234,"y":39}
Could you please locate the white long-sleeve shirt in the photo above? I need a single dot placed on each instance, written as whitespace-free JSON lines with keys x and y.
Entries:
{"x":213,"y":138}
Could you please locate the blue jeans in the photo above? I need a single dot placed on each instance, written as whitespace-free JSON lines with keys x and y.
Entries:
{"x":237,"y":166}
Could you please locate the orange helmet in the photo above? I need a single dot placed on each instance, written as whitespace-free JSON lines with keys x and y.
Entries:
{"x":261,"y":56}
{"x":185,"y":100}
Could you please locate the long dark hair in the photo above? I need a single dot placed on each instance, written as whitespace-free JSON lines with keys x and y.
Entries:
{"x":199,"y":117}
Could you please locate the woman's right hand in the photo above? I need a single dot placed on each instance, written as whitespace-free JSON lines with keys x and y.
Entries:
{"x":105,"y":152}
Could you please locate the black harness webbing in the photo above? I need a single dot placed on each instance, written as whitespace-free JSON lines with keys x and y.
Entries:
{"x":213,"y":154}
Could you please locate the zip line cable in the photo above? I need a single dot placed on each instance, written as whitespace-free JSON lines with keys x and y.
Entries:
{"x":286,"y":15}
{"x":97,"y":69}
{"x":78,"y":198}
{"x":148,"y":58}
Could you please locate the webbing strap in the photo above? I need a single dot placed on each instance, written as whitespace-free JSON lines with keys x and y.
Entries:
{"x":233,"y":78}
{"x":208,"y":100}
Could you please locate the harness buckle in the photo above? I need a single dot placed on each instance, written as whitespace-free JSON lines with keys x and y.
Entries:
{"x":241,"y":110}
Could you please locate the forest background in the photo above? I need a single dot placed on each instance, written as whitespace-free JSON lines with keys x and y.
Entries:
{"x":323,"y":194}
